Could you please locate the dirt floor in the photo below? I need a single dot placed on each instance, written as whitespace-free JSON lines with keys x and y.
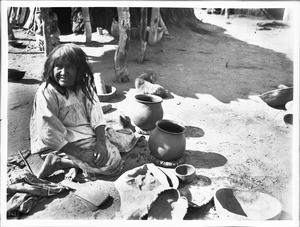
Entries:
{"x":233,"y":137}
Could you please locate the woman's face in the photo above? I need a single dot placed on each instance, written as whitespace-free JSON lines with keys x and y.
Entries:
{"x":65,"y":73}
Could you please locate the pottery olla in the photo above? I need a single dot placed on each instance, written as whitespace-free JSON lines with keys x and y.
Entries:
{"x":167,"y":140}
{"x":146,"y":111}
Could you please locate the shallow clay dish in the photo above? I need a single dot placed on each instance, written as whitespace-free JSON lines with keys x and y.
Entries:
{"x":111,"y":92}
{"x":246,"y":205}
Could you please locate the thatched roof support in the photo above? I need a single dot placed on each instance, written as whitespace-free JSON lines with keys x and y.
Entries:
{"x":123,"y":45}
{"x":287,"y":15}
{"x":143,"y":33}
{"x":29,"y":24}
{"x":87,"y":24}
{"x":161,"y":23}
{"x":153,"y":26}
{"x":46,"y":30}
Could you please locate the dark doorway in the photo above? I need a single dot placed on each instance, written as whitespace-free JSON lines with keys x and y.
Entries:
{"x":64,"y":20}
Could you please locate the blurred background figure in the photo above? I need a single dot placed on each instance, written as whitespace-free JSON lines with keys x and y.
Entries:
{"x":77,"y":21}
{"x":54,"y":29}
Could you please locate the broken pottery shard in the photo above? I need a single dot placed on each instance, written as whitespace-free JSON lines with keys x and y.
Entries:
{"x":278,"y":98}
{"x":197,"y":196}
{"x":168,"y":206}
{"x":199,"y":192}
{"x":138,"y":189}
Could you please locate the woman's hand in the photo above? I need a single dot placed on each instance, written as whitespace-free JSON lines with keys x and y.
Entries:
{"x":95,"y":155}
{"x":100,"y":153}
{"x":100,"y":148}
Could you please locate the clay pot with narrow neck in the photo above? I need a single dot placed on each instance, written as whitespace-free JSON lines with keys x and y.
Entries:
{"x":146,"y":111}
{"x":167,"y":141}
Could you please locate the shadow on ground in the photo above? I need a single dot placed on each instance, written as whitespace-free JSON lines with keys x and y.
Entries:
{"x":239,"y":71}
{"x":26,"y":81}
{"x":205,"y":160}
{"x":192,"y":131}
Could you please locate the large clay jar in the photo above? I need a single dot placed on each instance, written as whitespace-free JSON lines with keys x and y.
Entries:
{"x":167,"y":141}
{"x":146,"y":111}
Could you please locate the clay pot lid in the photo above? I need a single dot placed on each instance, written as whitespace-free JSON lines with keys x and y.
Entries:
{"x":236,"y":204}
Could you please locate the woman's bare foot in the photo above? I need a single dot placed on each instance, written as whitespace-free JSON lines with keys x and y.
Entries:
{"x":53,"y":163}
{"x":89,"y":176}
{"x":71,"y":174}
{"x":50,"y":165}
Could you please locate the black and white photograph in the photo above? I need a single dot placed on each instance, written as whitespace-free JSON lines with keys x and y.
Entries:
{"x":148,"y":111}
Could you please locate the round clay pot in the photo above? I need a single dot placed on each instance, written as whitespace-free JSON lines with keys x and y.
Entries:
{"x":147,"y":110}
{"x":167,"y":140}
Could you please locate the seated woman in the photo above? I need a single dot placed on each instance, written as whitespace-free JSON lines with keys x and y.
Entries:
{"x":77,"y":22}
{"x":67,"y":124}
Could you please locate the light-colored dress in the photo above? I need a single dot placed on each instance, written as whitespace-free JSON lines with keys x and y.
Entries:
{"x":57,"y":120}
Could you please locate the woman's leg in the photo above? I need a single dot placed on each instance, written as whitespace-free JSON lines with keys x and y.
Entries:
{"x":53,"y":163}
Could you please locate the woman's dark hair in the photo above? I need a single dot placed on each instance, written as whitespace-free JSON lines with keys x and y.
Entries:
{"x":76,"y":56}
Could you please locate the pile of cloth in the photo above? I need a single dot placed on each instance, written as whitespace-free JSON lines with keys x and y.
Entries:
{"x":24,"y":189}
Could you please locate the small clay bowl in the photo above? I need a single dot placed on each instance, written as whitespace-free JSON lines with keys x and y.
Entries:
{"x":185,"y":172}
{"x":111,"y":92}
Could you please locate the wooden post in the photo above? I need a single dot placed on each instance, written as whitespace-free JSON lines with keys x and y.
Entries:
{"x":226,"y":12}
{"x":30,"y":21}
{"x":123,"y":45}
{"x":22,"y":16}
{"x":153,"y":26}
{"x":143,"y":33}
{"x":87,"y":24}
{"x":11,"y":35}
{"x":46,"y":30}
{"x":162,"y":24}
{"x":287,"y":15}
{"x":19,"y":10}
{"x":270,"y":17}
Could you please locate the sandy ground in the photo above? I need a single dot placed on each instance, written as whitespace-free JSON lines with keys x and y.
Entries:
{"x":233,"y":137}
